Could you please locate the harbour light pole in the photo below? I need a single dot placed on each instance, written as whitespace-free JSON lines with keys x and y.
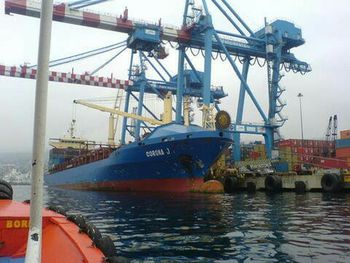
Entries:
{"x":301,"y":119}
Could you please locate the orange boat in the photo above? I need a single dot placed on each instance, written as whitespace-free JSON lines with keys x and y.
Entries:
{"x":65,"y":239}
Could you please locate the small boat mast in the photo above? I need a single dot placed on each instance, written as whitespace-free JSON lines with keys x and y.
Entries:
{"x":33,"y":253}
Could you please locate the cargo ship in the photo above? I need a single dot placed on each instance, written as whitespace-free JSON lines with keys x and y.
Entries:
{"x":173,"y":158}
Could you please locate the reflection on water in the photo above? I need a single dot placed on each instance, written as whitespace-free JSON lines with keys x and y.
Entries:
{"x":216,"y":228}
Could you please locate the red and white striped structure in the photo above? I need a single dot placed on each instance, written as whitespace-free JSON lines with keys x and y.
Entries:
{"x":65,"y":14}
{"x":83,"y":79}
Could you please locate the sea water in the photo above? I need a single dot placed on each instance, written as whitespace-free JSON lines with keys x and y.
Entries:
{"x":153,"y":227}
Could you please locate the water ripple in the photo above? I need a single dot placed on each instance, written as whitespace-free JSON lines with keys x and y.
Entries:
{"x":216,"y":228}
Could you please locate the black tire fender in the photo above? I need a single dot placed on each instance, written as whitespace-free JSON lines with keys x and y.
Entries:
{"x":330,"y":183}
{"x":6,"y":191}
{"x":273,"y":183}
{"x":251,"y":187}
{"x":58,"y":209}
{"x":230,"y":184}
{"x":300,"y":187}
{"x":80,"y":221}
{"x":5,"y":196}
{"x":106,"y":245}
{"x":93,"y":232}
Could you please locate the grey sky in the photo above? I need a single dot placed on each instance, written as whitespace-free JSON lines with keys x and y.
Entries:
{"x":324,"y":25}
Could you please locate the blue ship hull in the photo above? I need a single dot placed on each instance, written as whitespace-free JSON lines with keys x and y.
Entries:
{"x":172,"y":158}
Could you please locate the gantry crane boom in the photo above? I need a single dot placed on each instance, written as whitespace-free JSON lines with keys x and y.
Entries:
{"x":249,"y":46}
{"x":118,"y":112}
{"x":155,"y":87}
{"x":72,"y":78}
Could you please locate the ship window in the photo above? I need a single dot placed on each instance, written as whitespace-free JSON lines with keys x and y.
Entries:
{"x":189,"y":136}
{"x":164,"y":139}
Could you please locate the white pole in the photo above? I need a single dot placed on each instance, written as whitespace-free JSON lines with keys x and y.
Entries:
{"x":33,"y":253}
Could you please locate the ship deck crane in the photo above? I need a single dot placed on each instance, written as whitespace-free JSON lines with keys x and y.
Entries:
{"x":118,"y":112}
{"x":273,"y":44}
{"x":165,"y":119}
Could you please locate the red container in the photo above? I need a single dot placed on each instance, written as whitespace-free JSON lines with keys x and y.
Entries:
{"x":285,"y":143}
{"x":320,"y":144}
{"x":296,"y":167}
{"x":316,"y":151}
{"x":332,"y":163}
{"x":343,"y":153}
{"x":305,"y":158}
{"x":300,"y":150}
{"x":254,"y":155}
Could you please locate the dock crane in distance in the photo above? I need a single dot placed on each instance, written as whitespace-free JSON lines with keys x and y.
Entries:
{"x":331,"y":136}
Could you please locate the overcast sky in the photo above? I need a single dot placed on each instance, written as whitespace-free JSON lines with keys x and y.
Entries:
{"x":325,"y":89}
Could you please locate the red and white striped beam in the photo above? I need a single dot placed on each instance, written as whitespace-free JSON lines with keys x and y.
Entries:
{"x":83,"y":79}
{"x":65,"y":14}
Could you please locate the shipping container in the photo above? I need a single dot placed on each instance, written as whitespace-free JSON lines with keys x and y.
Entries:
{"x":345,"y":134}
{"x":281,"y":167}
{"x":296,"y":167}
{"x":319,"y":144}
{"x":343,"y":153}
{"x":285,"y":149}
{"x":345,"y":159}
{"x":332,"y":163}
{"x":343,"y":143}
{"x":285,"y":143}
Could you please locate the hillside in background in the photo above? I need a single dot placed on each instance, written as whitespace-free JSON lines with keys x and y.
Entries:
{"x":15,"y":167}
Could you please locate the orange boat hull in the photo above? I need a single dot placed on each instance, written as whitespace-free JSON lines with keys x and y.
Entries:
{"x":62,"y":240}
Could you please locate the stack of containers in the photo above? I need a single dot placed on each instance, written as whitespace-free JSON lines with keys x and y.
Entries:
{"x":296,"y":151}
{"x":260,"y":150}
{"x":246,"y":150}
{"x":253,"y":151}
{"x":343,"y":146}
{"x":288,"y":153}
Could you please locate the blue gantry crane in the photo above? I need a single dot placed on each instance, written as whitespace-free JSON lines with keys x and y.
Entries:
{"x":273,"y":44}
{"x":270,"y":46}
